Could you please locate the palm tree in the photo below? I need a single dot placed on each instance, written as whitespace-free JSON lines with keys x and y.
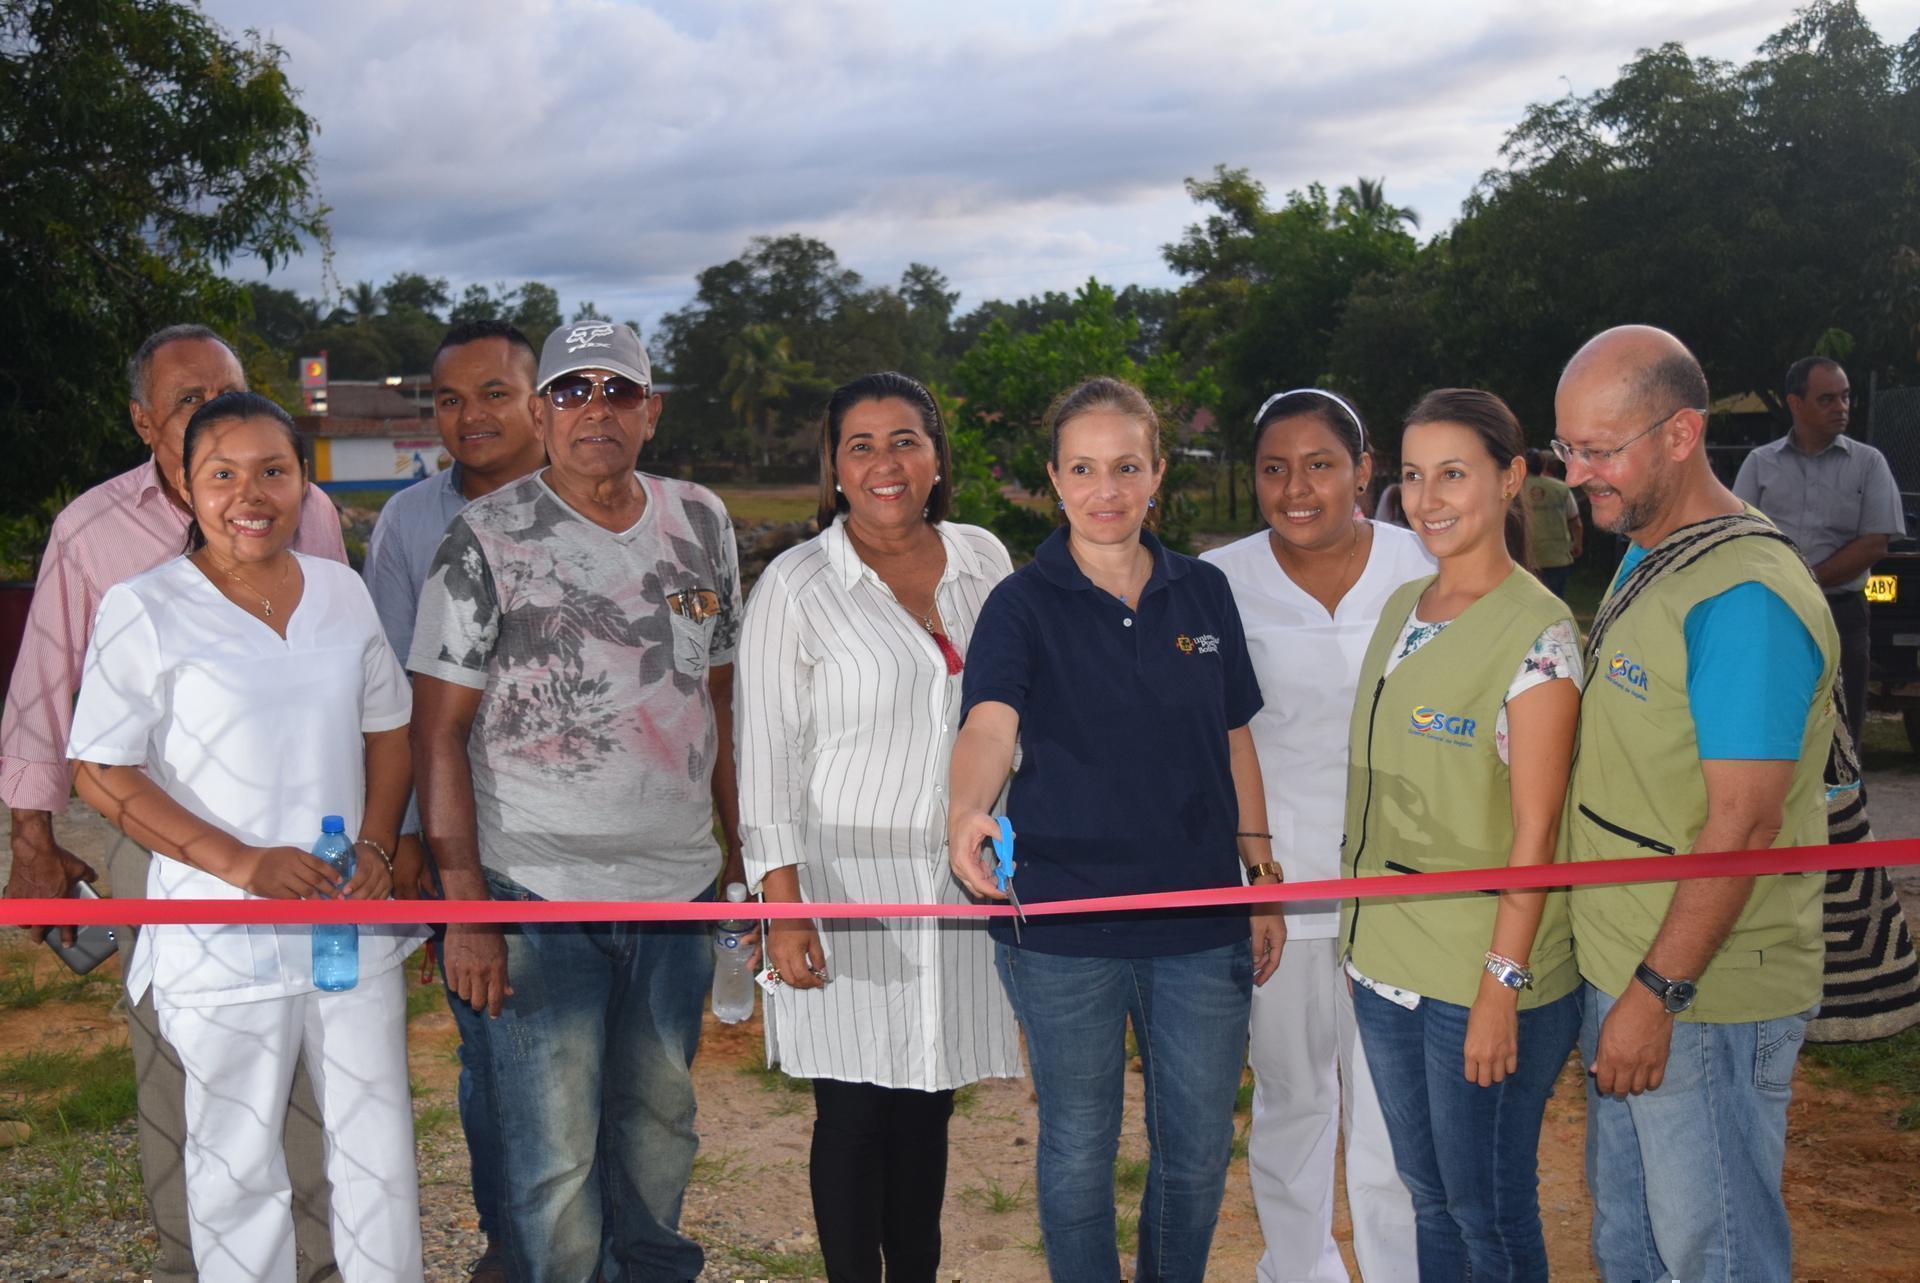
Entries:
{"x":1369,"y":200}
{"x":365,"y":301}
{"x":760,"y":371}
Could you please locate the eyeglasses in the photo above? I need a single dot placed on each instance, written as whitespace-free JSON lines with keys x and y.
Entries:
{"x":574,"y":391}
{"x":1588,"y":458}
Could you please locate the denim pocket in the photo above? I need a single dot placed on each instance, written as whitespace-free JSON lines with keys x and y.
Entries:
{"x":1776,"y":1051}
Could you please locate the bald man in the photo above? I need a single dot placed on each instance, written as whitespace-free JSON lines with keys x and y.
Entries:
{"x":1704,"y":727}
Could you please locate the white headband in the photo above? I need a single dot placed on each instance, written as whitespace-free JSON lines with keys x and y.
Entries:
{"x":1334,"y":397}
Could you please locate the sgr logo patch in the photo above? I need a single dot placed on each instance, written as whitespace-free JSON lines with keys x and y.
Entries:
{"x":1449,"y":728}
{"x":1627,"y":675}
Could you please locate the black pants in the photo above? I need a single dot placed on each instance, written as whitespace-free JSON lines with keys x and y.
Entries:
{"x":879,"y":1176}
{"x":1856,"y":654}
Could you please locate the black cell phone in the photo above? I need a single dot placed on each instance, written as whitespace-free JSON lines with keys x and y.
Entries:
{"x":91,"y":945}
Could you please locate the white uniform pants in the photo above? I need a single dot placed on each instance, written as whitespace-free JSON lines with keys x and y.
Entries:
{"x":1303,"y":1046}
{"x":239,"y":1061}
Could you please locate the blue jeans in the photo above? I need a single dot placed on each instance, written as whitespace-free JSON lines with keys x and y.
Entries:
{"x":1469,"y":1155}
{"x":1686,"y":1178}
{"x":594,"y":1098}
{"x":1189,"y":1016}
{"x":475,"y":1092}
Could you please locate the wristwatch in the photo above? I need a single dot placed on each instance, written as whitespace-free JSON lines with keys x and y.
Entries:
{"x":1675,"y":995}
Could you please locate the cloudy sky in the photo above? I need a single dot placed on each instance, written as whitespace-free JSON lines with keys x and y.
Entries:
{"x":614,"y":149}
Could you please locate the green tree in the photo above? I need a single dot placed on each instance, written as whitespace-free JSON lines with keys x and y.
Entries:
{"x":760,"y":374}
{"x":1749,"y":209}
{"x":477,"y":303}
{"x":1267,"y":289}
{"x":794,"y":284}
{"x":142,"y":148}
{"x":1007,"y":380}
{"x":425,"y":295}
{"x":365,"y":302}
{"x":1368,"y":199}
{"x":534,"y":309}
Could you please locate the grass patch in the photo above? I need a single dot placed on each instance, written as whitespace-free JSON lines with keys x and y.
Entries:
{"x":755,"y":503}
{"x":1884,"y":747}
{"x":808,"y":1264}
{"x":23,"y":989}
{"x":772,"y":1079}
{"x":424,"y":1000}
{"x":1243,"y":1099}
{"x":433,"y":1119}
{"x":90,"y":1181}
{"x":1242,"y":1141}
{"x":1129,"y":1175}
{"x":1126,"y":1232}
{"x":73,"y":1091}
{"x":995,"y":1197}
{"x":1888,"y":1063}
{"x":966,"y":1099}
{"x":715,"y":1169}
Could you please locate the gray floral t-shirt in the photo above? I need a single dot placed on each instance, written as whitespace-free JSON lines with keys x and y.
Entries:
{"x":594,"y":743}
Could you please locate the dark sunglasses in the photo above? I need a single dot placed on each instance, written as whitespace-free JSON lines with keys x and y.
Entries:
{"x":573,"y":391}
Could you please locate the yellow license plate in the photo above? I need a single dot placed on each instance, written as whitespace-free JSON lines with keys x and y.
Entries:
{"x":1883,"y":588}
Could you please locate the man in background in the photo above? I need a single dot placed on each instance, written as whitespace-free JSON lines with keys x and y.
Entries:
{"x":1835,"y":497}
{"x":482,"y":388}
{"x":1553,"y":525}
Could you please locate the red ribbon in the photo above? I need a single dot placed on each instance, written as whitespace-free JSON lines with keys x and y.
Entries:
{"x":1668,"y":868}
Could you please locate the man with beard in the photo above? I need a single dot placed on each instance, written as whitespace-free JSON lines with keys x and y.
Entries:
{"x":1834,"y":497}
{"x":1704,"y":727}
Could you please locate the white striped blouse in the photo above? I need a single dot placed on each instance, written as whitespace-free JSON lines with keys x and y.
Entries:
{"x":846,"y":718}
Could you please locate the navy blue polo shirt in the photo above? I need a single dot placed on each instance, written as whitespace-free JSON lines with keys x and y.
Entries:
{"x":1124,"y":783}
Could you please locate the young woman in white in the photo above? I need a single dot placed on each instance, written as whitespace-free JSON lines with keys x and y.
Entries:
{"x":231,"y":698}
{"x":1310,"y":588}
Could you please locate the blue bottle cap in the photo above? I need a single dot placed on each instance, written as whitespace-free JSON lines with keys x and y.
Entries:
{"x":332,"y":824}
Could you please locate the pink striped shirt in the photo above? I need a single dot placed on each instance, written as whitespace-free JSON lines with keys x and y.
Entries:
{"x":112,"y":532}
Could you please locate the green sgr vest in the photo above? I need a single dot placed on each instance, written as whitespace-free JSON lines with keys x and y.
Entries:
{"x":1427,"y":792}
{"x":1638,"y":790}
{"x":1548,"y":539}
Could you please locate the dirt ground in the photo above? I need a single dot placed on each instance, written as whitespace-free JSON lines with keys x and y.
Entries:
{"x":1852,"y":1179}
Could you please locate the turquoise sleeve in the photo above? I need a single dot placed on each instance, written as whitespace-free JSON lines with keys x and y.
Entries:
{"x":1751,"y":671}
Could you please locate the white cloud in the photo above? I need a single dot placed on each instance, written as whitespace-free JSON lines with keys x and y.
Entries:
{"x":613,"y":150}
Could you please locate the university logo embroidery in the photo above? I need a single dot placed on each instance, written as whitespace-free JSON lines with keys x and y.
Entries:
{"x":1185,"y":643}
{"x":587,"y":336}
{"x":1627,"y":675}
{"x":1204,"y":644}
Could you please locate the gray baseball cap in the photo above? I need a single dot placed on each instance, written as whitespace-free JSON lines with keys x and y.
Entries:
{"x":593,"y":345}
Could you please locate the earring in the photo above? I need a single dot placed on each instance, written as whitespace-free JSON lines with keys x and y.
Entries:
{"x":837,"y":489}
{"x":936,"y":478}
{"x":1061,"y":504}
{"x":1152,"y":502}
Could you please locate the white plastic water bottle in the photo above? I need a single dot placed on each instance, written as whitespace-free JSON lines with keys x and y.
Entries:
{"x":732,"y":980}
{"x":336,"y":945}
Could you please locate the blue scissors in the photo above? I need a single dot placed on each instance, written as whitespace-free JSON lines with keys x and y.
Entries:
{"x":1003,"y":872}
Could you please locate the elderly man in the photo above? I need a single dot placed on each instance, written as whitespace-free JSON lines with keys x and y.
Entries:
{"x":116,"y":530}
{"x":573,"y":699}
{"x":1837,"y":499}
{"x":1704,"y":727}
{"x":483,"y":378}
